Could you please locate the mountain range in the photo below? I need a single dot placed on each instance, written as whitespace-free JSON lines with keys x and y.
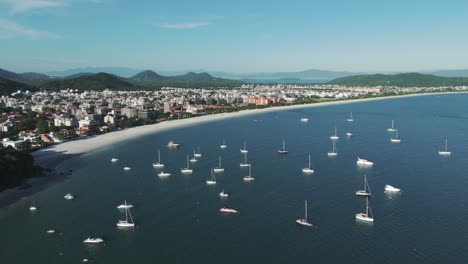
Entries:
{"x":401,"y":80}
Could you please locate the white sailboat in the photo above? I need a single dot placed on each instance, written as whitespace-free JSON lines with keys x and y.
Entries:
{"x":245,"y":164}
{"x":125,"y":223}
{"x":164,"y":174}
{"x":445,"y":152}
{"x":211,"y":181}
{"x":125,"y":205}
{"x":193,"y":159}
{"x":366,"y":191}
{"x":392,"y":129}
{"x":367,"y":216}
{"x":93,"y":240}
{"x":395,"y":139}
{"x":223,"y":146}
{"x":244,"y":150}
{"x":249,"y":177}
{"x":350,"y":118}
{"x":127,"y":168}
{"x":364,"y":162}
{"x":198,"y":154}
{"x":114,"y":160}
{"x":349,"y":134}
{"x":228,"y":210}
{"x":33,"y":206}
{"x":283,"y":150}
{"x":219,"y":168}
{"x":333,"y":153}
{"x":335,"y":137}
{"x":158,"y":164}
{"x":223,"y":194}
{"x":304,"y":222}
{"x":186,"y":170}
{"x":308,"y":169}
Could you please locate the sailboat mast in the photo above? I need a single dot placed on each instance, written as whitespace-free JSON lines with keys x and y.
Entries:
{"x":305,"y":209}
{"x":283,"y":144}
{"x":159,"y":156}
{"x":446,"y":145}
{"x":367,"y":206}
{"x":309,"y":161}
{"x":126,"y":214}
{"x":245,"y":158}
{"x":220,"y":161}
{"x":250,"y":170}
{"x":187,"y":162}
{"x":393,"y":122}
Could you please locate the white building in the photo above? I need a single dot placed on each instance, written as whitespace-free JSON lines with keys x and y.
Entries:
{"x":10,"y":143}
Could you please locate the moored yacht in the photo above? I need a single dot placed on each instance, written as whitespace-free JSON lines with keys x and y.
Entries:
{"x":172,"y":144}
{"x":249,"y":177}
{"x":126,"y":223}
{"x":223,"y":194}
{"x":69,"y":196}
{"x":364,"y":162}
{"x":390,"y":188}
{"x":245,"y":164}
{"x":223,"y":146}
{"x":219,"y":168}
{"x":304,"y":222}
{"x":445,"y":152}
{"x":366,"y":191}
{"x":198,"y":154}
{"x":367,"y":216}
{"x":335,"y":136}
{"x":158,"y":164}
{"x":392,"y":129}
{"x":114,"y":160}
{"x":395,"y":139}
{"x":308,"y":169}
{"x":211,"y":181}
{"x":304,"y":119}
{"x":125,"y":205}
{"x":244,"y":150}
{"x":186,"y":170}
{"x":93,"y":240}
{"x":33,"y":207}
{"x":228,"y":210}
{"x":333,"y":153}
{"x":283,"y":150}
{"x":164,"y":174}
{"x":50,"y":231}
{"x":350,"y":118}
{"x":127,"y":168}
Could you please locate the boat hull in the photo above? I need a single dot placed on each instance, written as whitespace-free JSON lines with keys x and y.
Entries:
{"x":363,"y":217}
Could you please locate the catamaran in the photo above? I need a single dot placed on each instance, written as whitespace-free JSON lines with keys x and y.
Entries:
{"x":228,"y":210}
{"x":366,"y":191}
{"x":223,"y":146}
{"x":223,"y":194}
{"x":33,"y":207}
{"x":445,"y":152}
{"x":389,"y":188}
{"x":211,"y":181}
{"x":308,"y":169}
{"x":364,"y":162}
{"x":283,"y":150}
{"x":395,"y":139}
{"x":125,"y":205}
{"x":172,"y":144}
{"x":335,"y":137}
{"x":244,"y":150}
{"x":304,"y":222}
{"x":350,"y":118}
{"x":114,"y":160}
{"x":158,"y":164}
{"x":367,"y":216}
{"x":193,"y":159}
{"x":125,"y":223}
{"x":187,"y":170}
{"x":333,"y":152}
{"x":392,"y":129}
{"x":93,"y":240}
{"x":245,"y":164}
{"x":69,"y":196}
{"x":198,"y":154}
{"x":219,"y":168}
{"x":249,"y":177}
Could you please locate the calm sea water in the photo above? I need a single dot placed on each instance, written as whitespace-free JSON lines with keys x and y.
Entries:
{"x":178,"y":219}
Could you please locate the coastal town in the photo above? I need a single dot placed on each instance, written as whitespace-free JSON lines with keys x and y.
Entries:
{"x":34,"y":120}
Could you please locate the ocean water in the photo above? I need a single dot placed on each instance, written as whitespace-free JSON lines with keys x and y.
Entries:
{"x":178,"y":220}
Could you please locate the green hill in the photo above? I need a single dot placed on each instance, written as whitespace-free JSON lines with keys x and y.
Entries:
{"x":148,"y":76}
{"x":401,"y":80}
{"x":7,"y":87}
{"x":96,"y":82}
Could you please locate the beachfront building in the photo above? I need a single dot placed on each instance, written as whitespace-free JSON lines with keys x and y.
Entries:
{"x":65,"y":120}
{"x":129,"y":112}
{"x":6,"y":142}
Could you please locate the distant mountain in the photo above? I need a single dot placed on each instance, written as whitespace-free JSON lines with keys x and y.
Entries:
{"x":401,"y":80}
{"x":120,"y":71}
{"x":96,"y":82}
{"x":78,"y":75}
{"x":450,"y":73}
{"x":9,"y":75}
{"x":310,"y":75}
{"x":33,"y":76}
{"x":147,"y":75}
{"x":195,"y":77}
{"x":7,"y":87}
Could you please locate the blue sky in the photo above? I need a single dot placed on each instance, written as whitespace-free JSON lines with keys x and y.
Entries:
{"x":234,"y":36}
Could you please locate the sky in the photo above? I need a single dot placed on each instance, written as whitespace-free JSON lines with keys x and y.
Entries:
{"x":234,"y":36}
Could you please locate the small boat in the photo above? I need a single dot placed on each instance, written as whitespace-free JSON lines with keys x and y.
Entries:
{"x":308,"y":169}
{"x":367,"y":216}
{"x":223,"y":194}
{"x":223,"y":146}
{"x":333,"y":153}
{"x":198,"y":154}
{"x":219,"y":168}
{"x":164,"y":174}
{"x":244,"y":150}
{"x":93,"y":240}
{"x":172,"y":144}
{"x":249,"y":177}
{"x":85,"y":260}
{"x":69,"y":196}
{"x":158,"y":164}
{"x":211,"y":181}
{"x":366,"y":191}
{"x":127,"y":168}
{"x":445,"y":152}
{"x":245,"y":164}
{"x":364,"y":162}
{"x":114,"y":160}
{"x":350,"y":118}
{"x":349,"y":134}
{"x":283,"y":150}
{"x":389,"y":188}
{"x":395,"y":139}
{"x":50,"y":231}
{"x":125,"y":223}
{"x":33,"y":207}
{"x":304,"y":119}
{"x":304,"y":222}
{"x":193,"y":159}
{"x":228,"y":210}
{"x":125,"y":205}
{"x":335,"y":137}
{"x":392,"y":129}
{"x":187,"y":170}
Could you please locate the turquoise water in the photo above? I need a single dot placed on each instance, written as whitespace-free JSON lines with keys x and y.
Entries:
{"x":178,"y":219}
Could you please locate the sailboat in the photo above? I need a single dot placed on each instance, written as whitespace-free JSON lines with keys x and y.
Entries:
{"x":445,"y":152}
{"x":198,"y":154}
{"x":333,"y":152}
{"x":164,"y":174}
{"x":125,"y":205}
{"x":392,"y":129}
{"x":366,"y":191}
{"x":350,"y":118}
{"x":127,"y":168}
{"x":335,"y":137}
{"x":125,"y":223}
{"x":303,"y":222}
{"x":390,"y":188}
{"x":158,"y":164}
{"x":308,"y":169}
{"x":395,"y":139}
{"x":244,"y":150}
{"x":223,"y":146}
{"x":245,"y":164}
{"x":187,"y":170}
{"x":283,"y":150}
{"x":219,"y":168}
{"x":93,"y":240}
{"x":193,"y":159}
{"x":223,"y":194}
{"x":33,"y":207}
{"x":211,"y":181}
{"x":249,"y":177}
{"x":367,"y":216}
